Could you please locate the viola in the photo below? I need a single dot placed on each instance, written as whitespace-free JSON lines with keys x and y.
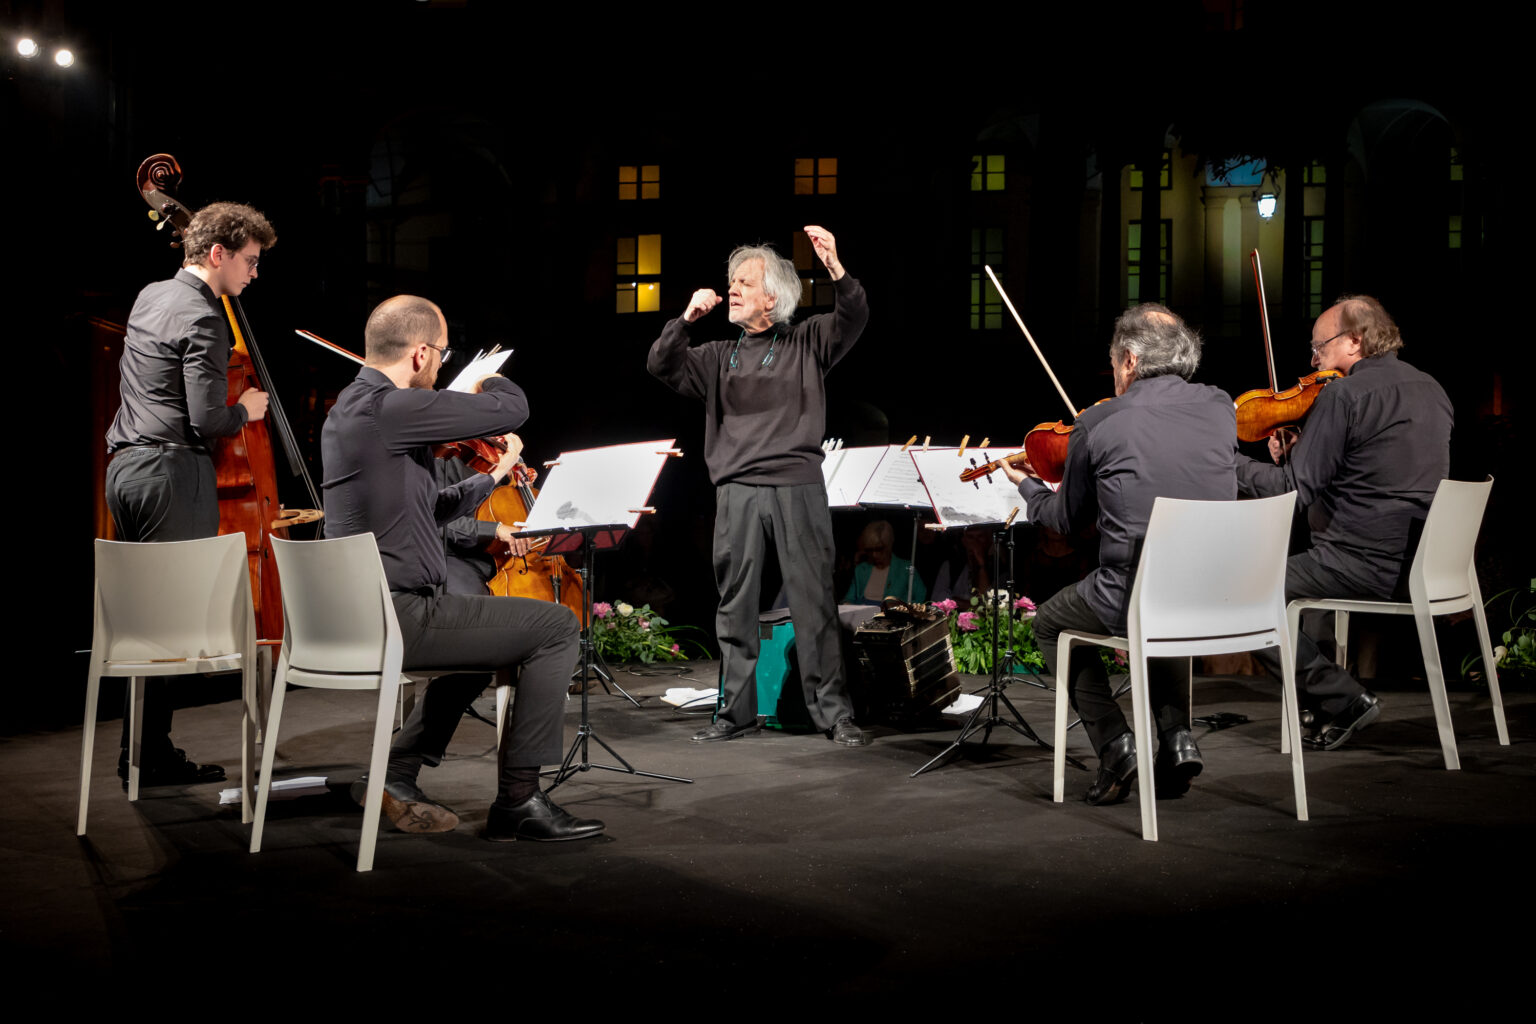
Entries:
{"x":243,"y":464}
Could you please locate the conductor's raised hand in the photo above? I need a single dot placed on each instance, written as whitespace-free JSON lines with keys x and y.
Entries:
{"x":826,"y":249}
{"x":702,"y":302}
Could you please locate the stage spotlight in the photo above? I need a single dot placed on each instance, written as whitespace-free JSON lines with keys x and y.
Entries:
{"x":1267,"y":205}
{"x":27,"y":47}
{"x":63,"y":58}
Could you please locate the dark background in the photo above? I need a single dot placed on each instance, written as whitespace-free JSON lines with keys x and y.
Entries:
{"x":352,"y":125}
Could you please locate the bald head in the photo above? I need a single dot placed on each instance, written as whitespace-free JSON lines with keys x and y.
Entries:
{"x":398,"y":325}
{"x":1366,"y":319}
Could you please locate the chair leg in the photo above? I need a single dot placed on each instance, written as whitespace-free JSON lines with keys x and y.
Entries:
{"x":1293,"y":631}
{"x":88,"y":742}
{"x":1059,"y":740}
{"x":1290,"y":726}
{"x":1341,"y":639}
{"x":268,"y":753}
{"x":1489,"y":664}
{"x":135,"y":733}
{"x":1141,"y":714}
{"x":1426,"y":626}
{"x":503,"y":698}
{"x":378,"y":766}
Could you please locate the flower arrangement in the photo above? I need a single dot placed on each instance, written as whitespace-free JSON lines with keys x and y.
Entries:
{"x":623,"y":632}
{"x":971,"y":632}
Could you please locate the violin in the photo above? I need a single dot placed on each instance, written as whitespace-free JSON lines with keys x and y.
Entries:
{"x":243,"y":464}
{"x":1264,"y":412}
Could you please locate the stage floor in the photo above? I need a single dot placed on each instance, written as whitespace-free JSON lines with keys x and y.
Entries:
{"x":793,"y":868}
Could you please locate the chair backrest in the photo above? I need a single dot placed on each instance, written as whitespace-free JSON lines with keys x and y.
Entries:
{"x":1213,"y":568}
{"x":337,"y":612}
{"x":1450,"y":535}
{"x":170,"y":600}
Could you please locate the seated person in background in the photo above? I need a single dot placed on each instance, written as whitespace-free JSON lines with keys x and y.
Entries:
{"x":879,"y":573}
{"x":968,"y":570}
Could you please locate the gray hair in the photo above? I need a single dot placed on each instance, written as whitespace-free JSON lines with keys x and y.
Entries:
{"x":780,"y":279}
{"x":1363,"y":315}
{"x":1161,"y":342}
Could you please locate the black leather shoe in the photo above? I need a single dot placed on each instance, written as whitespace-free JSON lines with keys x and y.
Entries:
{"x":722,"y":730}
{"x":848,"y":734}
{"x":1117,"y":770}
{"x":540,"y":819}
{"x":1178,"y":762}
{"x":409,"y":809}
{"x":1335,"y":732}
{"x":173,"y":771}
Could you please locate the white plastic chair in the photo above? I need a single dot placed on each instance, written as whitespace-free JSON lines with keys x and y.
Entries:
{"x":163,"y":609}
{"x":1441,"y":581}
{"x":1211,"y":581}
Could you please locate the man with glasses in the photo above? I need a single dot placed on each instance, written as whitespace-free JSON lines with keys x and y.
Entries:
{"x":765,"y":410}
{"x":379,"y":477}
{"x":175,"y":390}
{"x":1376,"y":445}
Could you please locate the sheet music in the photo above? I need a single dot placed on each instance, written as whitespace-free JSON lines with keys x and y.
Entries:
{"x":957,"y":503}
{"x":896,"y":481}
{"x":478,"y":368}
{"x":598,"y":487}
{"x":846,"y":472}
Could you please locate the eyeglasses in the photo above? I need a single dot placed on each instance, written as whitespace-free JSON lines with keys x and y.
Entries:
{"x":1324,"y":344}
{"x":251,"y":262}
{"x":445,"y":353}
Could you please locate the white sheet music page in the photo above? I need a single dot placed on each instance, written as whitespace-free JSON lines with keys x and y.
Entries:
{"x":478,"y":368}
{"x":896,"y":482}
{"x":958,"y":503}
{"x":846,"y":473}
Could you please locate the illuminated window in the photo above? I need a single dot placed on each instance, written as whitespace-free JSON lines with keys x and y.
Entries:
{"x":1312,"y":254}
{"x":638,"y":274}
{"x":1314,"y":174}
{"x":1455,"y":235}
{"x":642,"y":181}
{"x":986,"y":303}
{"x":815,"y":176}
{"x":815,"y":284}
{"x":1455,"y":164}
{"x":1164,"y":178}
{"x":987,"y":172}
{"x":1139,"y":285}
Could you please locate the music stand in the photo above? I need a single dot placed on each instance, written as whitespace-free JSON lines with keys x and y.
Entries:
{"x":895,"y":484}
{"x":589,"y":503}
{"x":990,"y":501}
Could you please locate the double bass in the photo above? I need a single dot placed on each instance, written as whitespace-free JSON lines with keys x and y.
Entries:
{"x":243,"y":464}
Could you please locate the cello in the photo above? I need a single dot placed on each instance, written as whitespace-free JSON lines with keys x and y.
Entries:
{"x":243,"y":464}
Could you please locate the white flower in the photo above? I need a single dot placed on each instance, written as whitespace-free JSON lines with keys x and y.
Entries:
{"x":625,"y":609}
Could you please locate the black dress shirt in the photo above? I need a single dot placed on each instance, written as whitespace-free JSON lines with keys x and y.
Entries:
{"x":175,"y":366}
{"x":376,"y":447}
{"x":1164,"y":437}
{"x":1373,"y":450}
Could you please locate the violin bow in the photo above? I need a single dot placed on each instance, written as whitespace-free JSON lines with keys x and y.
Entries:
{"x":1071,"y":409}
{"x":1269,"y":351}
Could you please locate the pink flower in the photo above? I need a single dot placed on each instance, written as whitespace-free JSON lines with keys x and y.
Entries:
{"x":645,"y":623}
{"x":676,"y":649}
{"x":967,"y":621}
{"x":602,"y":609}
{"x":1120,"y":657}
{"x":1024,"y":604}
{"x":945,"y":606}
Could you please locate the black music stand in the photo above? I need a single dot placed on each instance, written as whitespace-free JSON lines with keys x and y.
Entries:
{"x":953,"y":510}
{"x":588,"y":508}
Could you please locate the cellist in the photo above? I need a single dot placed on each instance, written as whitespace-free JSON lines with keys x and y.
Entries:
{"x":160,"y":480}
{"x":1376,"y":446}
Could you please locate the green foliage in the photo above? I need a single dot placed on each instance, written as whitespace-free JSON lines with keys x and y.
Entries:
{"x":623,"y":632}
{"x":1515,"y":650}
{"x":971,"y":633}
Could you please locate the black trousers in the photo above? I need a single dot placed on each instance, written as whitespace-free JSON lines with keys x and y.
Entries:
{"x":161,"y":494}
{"x":1087,"y":681}
{"x":453,"y":631}
{"x":797,"y":519}
{"x":1321,"y":685}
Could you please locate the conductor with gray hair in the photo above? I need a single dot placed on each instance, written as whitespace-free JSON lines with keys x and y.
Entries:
{"x":765,"y":408}
{"x":1161,"y":436}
